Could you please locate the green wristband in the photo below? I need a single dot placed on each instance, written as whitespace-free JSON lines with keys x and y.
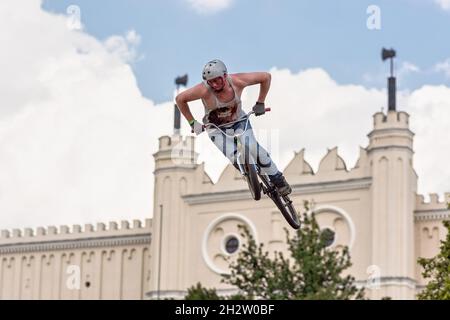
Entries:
{"x":191,"y":122}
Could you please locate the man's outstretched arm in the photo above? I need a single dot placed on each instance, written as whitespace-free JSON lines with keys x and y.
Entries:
{"x":189,"y":95}
{"x":250,"y":79}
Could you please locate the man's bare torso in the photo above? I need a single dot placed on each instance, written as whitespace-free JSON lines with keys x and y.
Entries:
{"x":225,"y":96}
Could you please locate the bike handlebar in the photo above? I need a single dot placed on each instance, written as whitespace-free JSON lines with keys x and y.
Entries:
{"x":222,"y":125}
{"x":225,"y":124}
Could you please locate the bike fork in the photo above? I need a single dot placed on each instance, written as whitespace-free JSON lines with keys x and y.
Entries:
{"x":239,"y":161}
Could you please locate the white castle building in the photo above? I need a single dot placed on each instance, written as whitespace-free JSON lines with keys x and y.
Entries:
{"x":373,"y":208}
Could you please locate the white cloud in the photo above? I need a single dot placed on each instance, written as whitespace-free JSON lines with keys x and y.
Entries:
{"x":444,"y":4}
{"x":429,"y":107}
{"x":443,"y":67}
{"x":125,"y":48}
{"x":210,"y":6}
{"x":379,"y":77}
{"x":408,"y":67}
{"x":76,"y":136}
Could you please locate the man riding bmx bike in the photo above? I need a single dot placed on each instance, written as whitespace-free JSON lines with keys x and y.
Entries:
{"x":221,"y":93}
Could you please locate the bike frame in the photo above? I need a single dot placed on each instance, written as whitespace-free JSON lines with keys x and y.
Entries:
{"x":235,"y":136}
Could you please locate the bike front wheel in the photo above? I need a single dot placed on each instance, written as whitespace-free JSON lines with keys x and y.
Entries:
{"x":287,"y":209}
{"x":284,"y":203}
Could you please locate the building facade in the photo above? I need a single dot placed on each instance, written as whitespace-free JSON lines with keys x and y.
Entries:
{"x":373,"y":208}
{"x":73,"y":263}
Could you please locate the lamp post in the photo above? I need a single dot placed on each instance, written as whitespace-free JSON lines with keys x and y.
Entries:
{"x":180,"y":81}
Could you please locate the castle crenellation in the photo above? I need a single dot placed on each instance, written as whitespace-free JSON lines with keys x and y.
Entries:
{"x":77,"y":230}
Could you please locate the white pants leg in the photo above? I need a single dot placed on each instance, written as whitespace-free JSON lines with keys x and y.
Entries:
{"x":227,"y":146}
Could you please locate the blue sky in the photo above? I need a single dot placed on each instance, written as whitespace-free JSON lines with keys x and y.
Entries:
{"x":260,"y":34}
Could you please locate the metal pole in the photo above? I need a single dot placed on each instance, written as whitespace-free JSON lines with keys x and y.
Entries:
{"x":160,"y":245}
{"x":177,"y":116}
{"x":392,"y":67}
{"x":392,"y":89}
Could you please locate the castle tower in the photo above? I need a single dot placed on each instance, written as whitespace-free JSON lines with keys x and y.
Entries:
{"x":393,"y":192}
{"x":175,"y":166}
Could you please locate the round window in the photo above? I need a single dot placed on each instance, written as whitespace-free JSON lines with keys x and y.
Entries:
{"x":231,"y":244}
{"x":327,"y":235}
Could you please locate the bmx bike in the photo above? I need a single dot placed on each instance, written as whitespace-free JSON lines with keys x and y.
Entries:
{"x":256,"y":179}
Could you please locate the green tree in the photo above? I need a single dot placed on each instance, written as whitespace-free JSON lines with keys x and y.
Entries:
{"x":198,"y":292}
{"x":437,"y":269}
{"x":312,"y":272}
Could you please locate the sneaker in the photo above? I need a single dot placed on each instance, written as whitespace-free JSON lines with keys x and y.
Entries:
{"x":281,"y":184}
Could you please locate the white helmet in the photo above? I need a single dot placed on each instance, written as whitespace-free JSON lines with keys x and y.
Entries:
{"x":214,"y":69}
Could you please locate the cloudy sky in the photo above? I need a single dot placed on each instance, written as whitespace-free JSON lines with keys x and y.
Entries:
{"x":84,"y":100}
